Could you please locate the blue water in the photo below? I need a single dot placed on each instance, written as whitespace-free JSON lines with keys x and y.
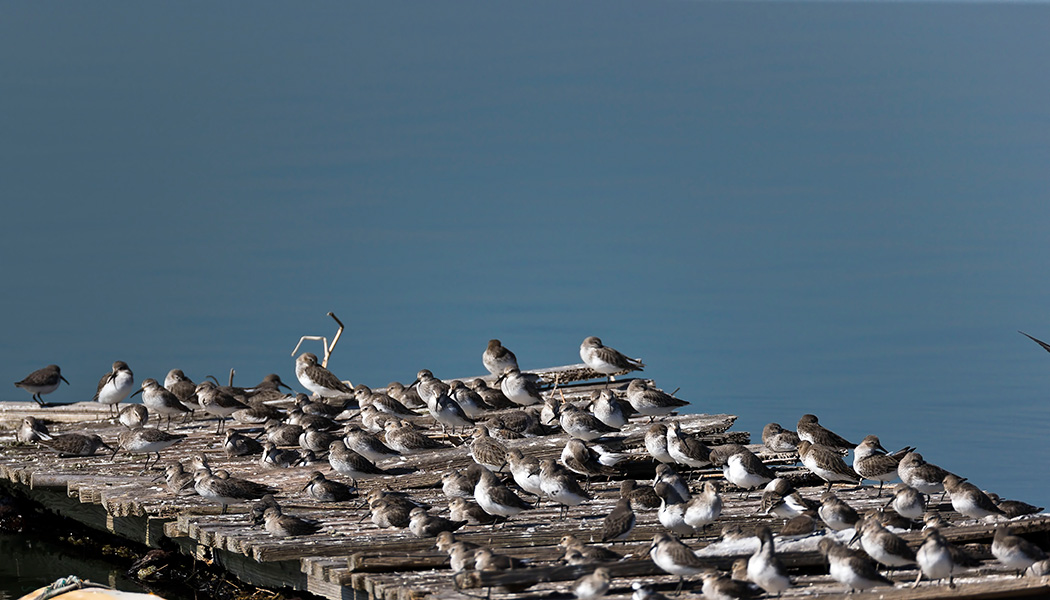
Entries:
{"x":837,"y":208}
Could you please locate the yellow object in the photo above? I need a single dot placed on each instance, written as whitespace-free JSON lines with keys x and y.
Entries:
{"x":88,"y":593}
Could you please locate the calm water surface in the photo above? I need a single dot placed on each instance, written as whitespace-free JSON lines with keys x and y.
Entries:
{"x":783,"y":208}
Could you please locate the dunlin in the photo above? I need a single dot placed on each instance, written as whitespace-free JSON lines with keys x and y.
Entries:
{"x":460,"y":483}
{"x":367,"y":445}
{"x":319,"y":380}
{"x":520,"y":389}
{"x":133,"y":416}
{"x":183,"y":387}
{"x":31,"y":430}
{"x":587,"y":553}
{"x":41,"y":382}
{"x":704,"y":508}
{"x":672,"y":510}
{"x":485,"y":559}
{"x":826,"y":463}
{"x":424,"y":525}
{"x":486,"y":451}
{"x":778,"y":440}
{"x":810,"y":430}
{"x":939,"y":558}
{"x":849,"y":567}
{"x":968,"y":499}
{"x":605,"y":360}
{"x":595,"y":585}
{"x":497,"y":499}
{"x":667,"y":474}
{"x":745,"y":470}
{"x":656,"y":443}
{"x":467,"y":399}
{"x":115,"y":385}
{"x":645,"y":591}
{"x":836,"y":513}
{"x":619,"y":522}
{"x":873,"y":462}
{"x":326,"y":490}
{"x":447,"y":412}
{"x":580,"y":459}
{"x":641,"y":497}
{"x":406,"y":439}
{"x":389,"y":513}
{"x":781,"y":499}
{"x":273,"y":457}
{"x":686,"y":449}
{"x":651,"y":402}
{"x":525,"y":470}
{"x":492,"y":395}
{"x":608,"y":409}
{"x":179,"y":482}
{"x":215,"y":401}
{"x":279,"y":524}
{"x":580,"y":424}
{"x":1015,"y":552}
{"x":909,"y":502}
{"x":283,"y":434}
{"x":75,"y":444}
{"x":316,"y":440}
{"x":146,"y":440}
{"x":882,"y":544}
{"x":764,"y":568}
{"x":674,"y":557}
{"x":231,"y":490}
{"x":560,"y":485}
{"x":351,"y":464}
{"x":921,"y":475}
{"x":497,"y":359}
{"x":461,"y":509}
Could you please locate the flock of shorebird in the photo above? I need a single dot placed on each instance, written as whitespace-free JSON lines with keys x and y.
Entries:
{"x":363,"y":433}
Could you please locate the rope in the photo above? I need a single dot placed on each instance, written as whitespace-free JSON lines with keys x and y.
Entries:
{"x":67,"y":584}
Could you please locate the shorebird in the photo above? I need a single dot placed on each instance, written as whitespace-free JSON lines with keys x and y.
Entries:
{"x":461,"y":555}
{"x":619,"y":522}
{"x":326,"y":490}
{"x":645,"y":591}
{"x":178,"y":481}
{"x":674,"y":557}
{"x":764,"y":568}
{"x":1015,"y":552}
{"x":580,"y":424}
{"x":238,"y":444}
{"x":580,"y":459}
{"x":667,"y":474}
{"x":686,"y":449}
{"x":1014,"y":508}
{"x":390,"y":513}
{"x":146,"y":440}
{"x":851,"y":567}
{"x":485,"y":559}
{"x":873,"y":462}
{"x":921,"y":475}
{"x":781,"y":499}
{"x":810,"y":430}
{"x":826,"y":463}
{"x":672,"y":510}
{"x":460,"y":483}
{"x":115,"y":385}
{"x":882,"y":544}
{"x":230,"y":490}
{"x":75,"y":444}
{"x":367,"y":445}
{"x":31,"y":430}
{"x":704,"y":508}
{"x":745,"y":470}
{"x":778,"y":440}
{"x":492,"y":395}
{"x":498,"y":359}
{"x":641,"y":497}
{"x":467,"y":399}
{"x":351,"y":464}
{"x":183,"y":387}
{"x":939,"y":558}
{"x":316,"y":440}
{"x":282,"y":525}
{"x":406,"y":439}
{"x":283,"y":434}
{"x":835,"y":513}
{"x":651,"y":402}
{"x":273,"y":457}
{"x":319,"y":380}
{"x":907,"y":501}
{"x":424,"y":525}
{"x":383,"y":403}
{"x":160,"y":401}
{"x":447,"y":412}
{"x":592,"y":586}
{"x":968,"y":499}
{"x":133,"y":416}
{"x":587,"y":553}
{"x":486,"y":451}
{"x":607,"y":409}
{"x":526,"y":471}
{"x":42,"y":381}
{"x":520,"y":389}
{"x":497,"y":499}
{"x":605,"y":360}
{"x":656,"y":443}
{"x":215,"y":401}
{"x":561,"y":486}
{"x":461,"y":509}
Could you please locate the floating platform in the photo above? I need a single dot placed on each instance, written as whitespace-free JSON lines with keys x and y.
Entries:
{"x":352,"y":558}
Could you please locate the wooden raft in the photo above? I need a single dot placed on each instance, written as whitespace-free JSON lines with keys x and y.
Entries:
{"x":353,"y":558}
